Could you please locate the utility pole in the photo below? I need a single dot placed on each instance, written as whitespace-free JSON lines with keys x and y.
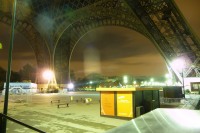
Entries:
{"x":5,"y":108}
{"x":183,"y":83}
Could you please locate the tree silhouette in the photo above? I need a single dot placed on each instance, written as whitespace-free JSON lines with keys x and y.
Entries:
{"x":28,"y":73}
{"x":2,"y":77}
{"x":15,"y":77}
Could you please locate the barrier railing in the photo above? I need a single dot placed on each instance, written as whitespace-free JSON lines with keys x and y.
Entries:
{"x":170,"y":100}
{"x":16,"y":121}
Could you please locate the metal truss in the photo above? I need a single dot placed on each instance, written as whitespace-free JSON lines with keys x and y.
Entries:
{"x":31,"y":34}
{"x":169,"y":29}
{"x":119,"y":15}
{"x":159,"y":20}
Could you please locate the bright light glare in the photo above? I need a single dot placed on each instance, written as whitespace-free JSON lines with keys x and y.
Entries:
{"x":48,"y":75}
{"x":125,"y":79}
{"x":185,"y":118}
{"x":167,"y":75}
{"x":169,"y":82}
{"x":152,"y":79}
{"x":70,"y":85}
{"x":178,"y":64}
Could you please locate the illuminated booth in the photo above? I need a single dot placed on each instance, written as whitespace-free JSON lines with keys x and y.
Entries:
{"x":128,"y":102}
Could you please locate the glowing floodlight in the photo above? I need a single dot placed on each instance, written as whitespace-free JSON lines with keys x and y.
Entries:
{"x":125,"y":78}
{"x":178,"y":64}
{"x":48,"y":75}
{"x":70,"y":85}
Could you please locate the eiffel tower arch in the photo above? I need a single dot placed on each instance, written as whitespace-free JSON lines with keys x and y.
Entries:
{"x":29,"y":31}
{"x":97,"y":15}
{"x":160,"y":21}
{"x":54,"y":28}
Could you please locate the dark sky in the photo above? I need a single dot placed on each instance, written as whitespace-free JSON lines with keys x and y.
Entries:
{"x":117,"y":51}
{"x":22,"y":52}
{"x":106,"y":50}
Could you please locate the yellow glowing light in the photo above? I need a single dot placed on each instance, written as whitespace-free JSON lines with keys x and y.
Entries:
{"x":48,"y":75}
{"x":1,"y":46}
{"x":125,"y":79}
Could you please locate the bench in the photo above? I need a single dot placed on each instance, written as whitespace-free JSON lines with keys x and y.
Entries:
{"x":65,"y":104}
{"x":57,"y":101}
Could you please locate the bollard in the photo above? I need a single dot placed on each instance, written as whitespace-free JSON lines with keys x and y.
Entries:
{"x":152,"y":104}
{"x":71,"y":98}
{"x":139,"y":111}
{"x":88,"y":100}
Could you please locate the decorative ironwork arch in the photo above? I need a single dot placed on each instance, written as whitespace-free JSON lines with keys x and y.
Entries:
{"x":159,"y":20}
{"x":75,"y":32}
{"x":38,"y":45}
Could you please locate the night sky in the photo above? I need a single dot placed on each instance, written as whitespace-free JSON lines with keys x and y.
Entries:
{"x":109,"y":50}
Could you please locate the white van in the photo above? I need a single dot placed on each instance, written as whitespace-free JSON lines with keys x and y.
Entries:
{"x":21,"y":88}
{"x":15,"y":90}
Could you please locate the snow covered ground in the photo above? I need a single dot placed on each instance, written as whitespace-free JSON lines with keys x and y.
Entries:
{"x":38,"y":111}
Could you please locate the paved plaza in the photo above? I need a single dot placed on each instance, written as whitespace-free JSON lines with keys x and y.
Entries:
{"x":38,"y":111}
{"x":80,"y":117}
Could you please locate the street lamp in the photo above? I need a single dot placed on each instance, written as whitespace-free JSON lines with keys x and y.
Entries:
{"x":168,"y":79}
{"x":50,"y":77}
{"x":8,"y":75}
{"x":125,"y":79}
{"x":70,"y":86}
{"x":152,"y":81}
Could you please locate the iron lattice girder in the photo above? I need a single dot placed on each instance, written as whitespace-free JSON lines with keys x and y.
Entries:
{"x":152,"y":28}
{"x":37,"y":43}
{"x":99,"y":16}
{"x":170,"y":51}
{"x":159,"y":20}
{"x":164,"y":21}
{"x":58,"y":7}
{"x":71,"y":17}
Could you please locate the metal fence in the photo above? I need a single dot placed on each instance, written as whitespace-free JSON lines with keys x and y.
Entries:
{"x":171,"y":100}
{"x":5,"y":117}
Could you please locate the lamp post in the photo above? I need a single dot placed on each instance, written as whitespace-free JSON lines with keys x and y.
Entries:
{"x":5,"y":108}
{"x":125,"y":79}
{"x":152,"y":81}
{"x":50,"y":77}
{"x":168,"y":81}
{"x":70,"y":86}
{"x":183,"y":82}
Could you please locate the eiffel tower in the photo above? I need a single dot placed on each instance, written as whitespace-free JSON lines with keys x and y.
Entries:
{"x":53,"y":28}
